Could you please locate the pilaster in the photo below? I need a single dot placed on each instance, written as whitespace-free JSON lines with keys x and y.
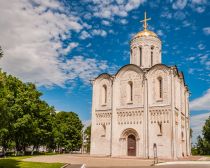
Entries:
{"x":146,"y":135}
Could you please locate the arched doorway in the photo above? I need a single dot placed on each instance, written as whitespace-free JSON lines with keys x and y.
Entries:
{"x":131,"y":147}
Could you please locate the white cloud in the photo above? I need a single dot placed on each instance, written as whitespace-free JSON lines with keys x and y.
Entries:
{"x":200,"y":9}
{"x":203,"y":58}
{"x":160,"y":32}
{"x":32,"y":35}
{"x":109,"y":8}
{"x":206,"y":30}
{"x":186,"y":23}
{"x":179,"y":4}
{"x":199,"y":1}
{"x":84,"y":35}
{"x":123,"y":21}
{"x":179,"y":15}
{"x":198,"y":5}
{"x":201,"y":46}
{"x":105,"y":22}
{"x":68,"y":49}
{"x":197,"y":122}
{"x":99,"y":32}
{"x":84,"y":68}
{"x":166,"y":14}
{"x":201,"y":103}
{"x":190,"y":58}
{"x":86,"y":123}
{"x":191,"y":70}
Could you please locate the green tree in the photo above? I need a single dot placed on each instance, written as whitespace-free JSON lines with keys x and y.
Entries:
{"x":6,"y":116}
{"x":25,"y":120}
{"x":87,"y":134}
{"x":203,"y":144}
{"x":67,"y":131}
{"x":206,"y":130}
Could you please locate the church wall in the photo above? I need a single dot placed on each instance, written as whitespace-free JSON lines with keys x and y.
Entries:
{"x":120,"y":142}
{"x":124,"y":92}
{"x":154,"y":98}
{"x":127,"y":114}
{"x":148,"y":100}
{"x":160,"y":132}
{"x":159,"y":111}
{"x":101,"y":117}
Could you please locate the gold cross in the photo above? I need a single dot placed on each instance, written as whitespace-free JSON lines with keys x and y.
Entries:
{"x":145,"y":20}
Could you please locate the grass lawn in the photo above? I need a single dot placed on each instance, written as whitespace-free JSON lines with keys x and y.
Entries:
{"x":16,"y":162}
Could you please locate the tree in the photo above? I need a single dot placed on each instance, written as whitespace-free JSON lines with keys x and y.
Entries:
{"x":206,"y":130}
{"x":26,"y":120}
{"x":6,"y":116}
{"x":203,"y":144}
{"x":67,"y":131}
{"x":23,"y":115}
{"x":88,"y":138}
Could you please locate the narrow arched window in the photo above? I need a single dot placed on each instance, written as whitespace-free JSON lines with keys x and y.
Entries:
{"x":104,"y":94}
{"x":160,"y":87}
{"x":140,"y":55}
{"x":182,"y":136}
{"x":130,"y":91}
{"x":152,"y":48}
{"x":160,"y":128}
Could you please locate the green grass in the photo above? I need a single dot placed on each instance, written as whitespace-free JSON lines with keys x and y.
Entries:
{"x":16,"y":162}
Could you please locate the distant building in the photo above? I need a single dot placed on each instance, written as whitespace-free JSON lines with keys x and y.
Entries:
{"x":144,"y":107}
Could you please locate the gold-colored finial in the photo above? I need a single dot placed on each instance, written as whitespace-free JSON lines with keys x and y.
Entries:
{"x":145,"y":21}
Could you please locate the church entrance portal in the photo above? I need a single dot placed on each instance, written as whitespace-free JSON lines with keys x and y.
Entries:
{"x":131,"y":145}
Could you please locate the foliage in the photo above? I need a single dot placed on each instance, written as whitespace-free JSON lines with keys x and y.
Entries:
{"x":67,"y":131}
{"x":203,"y":144}
{"x":88,"y":137}
{"x":28,"y":121}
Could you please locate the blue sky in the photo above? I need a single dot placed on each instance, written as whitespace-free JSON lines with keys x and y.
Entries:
{"x":62,"y":45}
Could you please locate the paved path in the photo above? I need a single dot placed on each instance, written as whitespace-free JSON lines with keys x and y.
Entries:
{"x":128,"y":162}
{"x":90,"y":161}
{"x":184,"y":164}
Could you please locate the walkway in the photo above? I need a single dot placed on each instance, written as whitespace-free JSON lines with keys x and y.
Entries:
{"x":91,"y":161}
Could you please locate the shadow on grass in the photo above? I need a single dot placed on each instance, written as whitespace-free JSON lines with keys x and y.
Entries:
{"x":9,"y":163}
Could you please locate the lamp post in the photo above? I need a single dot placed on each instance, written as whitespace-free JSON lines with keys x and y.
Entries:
{"x":155,"y":153}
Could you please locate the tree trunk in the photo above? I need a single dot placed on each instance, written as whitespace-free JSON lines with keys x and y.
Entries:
{"x":4,"y":153}
{"x":32,"y":152}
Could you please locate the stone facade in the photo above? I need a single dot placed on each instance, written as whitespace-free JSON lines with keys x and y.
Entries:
{"x":143,"y":108}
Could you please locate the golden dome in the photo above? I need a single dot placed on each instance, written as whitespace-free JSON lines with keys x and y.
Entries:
{"x":145,"y":33}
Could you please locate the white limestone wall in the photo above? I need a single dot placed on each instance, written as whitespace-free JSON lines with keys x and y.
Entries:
{"x":162,"y":140}
{"x":159,"y":130}
{"x":101,"y":117}
{"x":127,"y":115}
{"x":143,"y":115}
{"x":146,"y":43}
{"x":153,"y":85}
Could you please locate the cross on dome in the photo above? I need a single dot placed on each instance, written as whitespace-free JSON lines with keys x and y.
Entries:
{"x":145,"y":21}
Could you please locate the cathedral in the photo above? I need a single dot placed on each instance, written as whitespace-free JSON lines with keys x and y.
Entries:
{"x":143,"y":109}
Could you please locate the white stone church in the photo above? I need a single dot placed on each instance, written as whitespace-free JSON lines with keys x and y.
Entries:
{"x":144,"y":108}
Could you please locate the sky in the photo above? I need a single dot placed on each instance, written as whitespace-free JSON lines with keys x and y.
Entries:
{"x":60,"y":45}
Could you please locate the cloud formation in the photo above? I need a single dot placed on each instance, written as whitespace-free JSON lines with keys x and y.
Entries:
{"x":197,"y":123}
{"x":201,"y":103}
{"x":110,"y":8}
{"x":206,"y":30}
{"x":32,"y":35}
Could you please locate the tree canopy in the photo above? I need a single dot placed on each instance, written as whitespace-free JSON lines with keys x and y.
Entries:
{"x":26,"y":120}
{"x":203,"y":143}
